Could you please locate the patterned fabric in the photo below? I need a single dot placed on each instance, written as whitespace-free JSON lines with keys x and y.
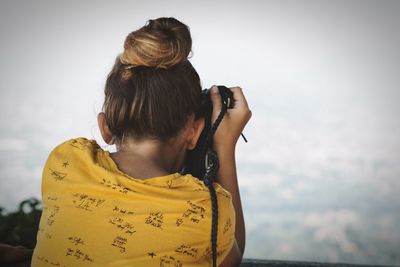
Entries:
{"x":96,"y":215}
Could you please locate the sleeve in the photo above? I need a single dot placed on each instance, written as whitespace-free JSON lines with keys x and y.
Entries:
{"x":52,"y":173}
{"x":59,"y":163}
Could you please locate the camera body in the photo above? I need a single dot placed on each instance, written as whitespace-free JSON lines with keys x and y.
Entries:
{"x":195,"y":159}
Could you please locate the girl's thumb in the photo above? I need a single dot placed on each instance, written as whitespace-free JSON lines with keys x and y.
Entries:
{"x":216,"y":102}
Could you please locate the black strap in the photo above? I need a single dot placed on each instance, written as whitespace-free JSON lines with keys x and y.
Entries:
{"x":212,"y":166}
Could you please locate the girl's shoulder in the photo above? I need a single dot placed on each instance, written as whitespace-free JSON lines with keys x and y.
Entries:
{"x":78,"y":145}
{"x":219,"y":189}
{"x":72,"y":150}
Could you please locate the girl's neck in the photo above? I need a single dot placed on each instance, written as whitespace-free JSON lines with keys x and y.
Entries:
{"x":148,"y":158}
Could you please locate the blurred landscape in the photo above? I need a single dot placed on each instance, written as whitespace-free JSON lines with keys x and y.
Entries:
{"x":20,"y":227}
{"x":320,"y":175}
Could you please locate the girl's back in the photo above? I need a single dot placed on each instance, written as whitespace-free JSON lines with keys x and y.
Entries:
{"x":95,"y":215}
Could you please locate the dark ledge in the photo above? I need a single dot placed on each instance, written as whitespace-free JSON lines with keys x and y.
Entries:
{"x":282,"y":263}
{"x":261,"y":263}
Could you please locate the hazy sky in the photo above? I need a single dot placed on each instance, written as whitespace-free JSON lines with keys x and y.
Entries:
{"x":320,"y":174}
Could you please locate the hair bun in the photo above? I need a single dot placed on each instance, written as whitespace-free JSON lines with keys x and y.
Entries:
{"x":161,"y":43}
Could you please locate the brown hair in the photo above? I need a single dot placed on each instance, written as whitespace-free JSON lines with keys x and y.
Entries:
{"x":152,"y":88}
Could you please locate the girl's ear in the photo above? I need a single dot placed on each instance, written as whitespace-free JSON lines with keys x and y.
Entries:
{"x":104,"y":130}
{"x":196,"y":129}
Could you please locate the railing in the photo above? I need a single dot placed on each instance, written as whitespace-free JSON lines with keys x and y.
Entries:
{"x":266,"y":263}
{"x":282,"y":263}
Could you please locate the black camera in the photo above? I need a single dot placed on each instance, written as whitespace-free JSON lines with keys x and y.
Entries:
{"x":195,"y":162}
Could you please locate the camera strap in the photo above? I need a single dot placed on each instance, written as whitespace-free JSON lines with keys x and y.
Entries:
{"x":211,"y":167}
{"x":211,"y":170}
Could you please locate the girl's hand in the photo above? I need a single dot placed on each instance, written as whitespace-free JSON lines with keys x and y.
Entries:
{"x":228,"y":132}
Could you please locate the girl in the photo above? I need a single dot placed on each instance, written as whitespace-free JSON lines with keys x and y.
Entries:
{"x":134,"y":207}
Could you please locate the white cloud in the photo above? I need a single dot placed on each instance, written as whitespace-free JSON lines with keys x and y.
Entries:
{"x":13,"y":144}
{"x":330,"y":226}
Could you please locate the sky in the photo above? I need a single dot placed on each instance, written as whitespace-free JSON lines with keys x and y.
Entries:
{"x":319,"y":177}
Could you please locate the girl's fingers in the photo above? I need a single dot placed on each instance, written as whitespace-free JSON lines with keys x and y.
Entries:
{"x":239,"y":99}
{"x":216,"y":101}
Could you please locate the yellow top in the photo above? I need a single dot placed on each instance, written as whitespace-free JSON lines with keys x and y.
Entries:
{"x":96,"y":215}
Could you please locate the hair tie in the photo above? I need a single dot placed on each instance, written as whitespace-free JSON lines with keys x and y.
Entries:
{"x":128,"y":67}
